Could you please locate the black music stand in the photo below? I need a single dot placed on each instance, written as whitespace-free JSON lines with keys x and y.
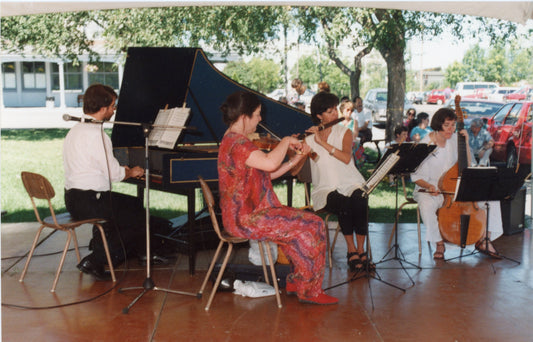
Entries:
{"x":411,"y":156}
{"x":148,"y":283}
{"x":484,"y":184}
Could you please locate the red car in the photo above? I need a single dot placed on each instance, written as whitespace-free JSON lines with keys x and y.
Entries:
{"x":436,"y":96}
{"x":520,"y":95}
{"x":510,"y":128}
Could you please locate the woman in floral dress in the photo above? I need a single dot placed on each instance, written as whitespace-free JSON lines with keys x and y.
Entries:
{"x":250,"y":207}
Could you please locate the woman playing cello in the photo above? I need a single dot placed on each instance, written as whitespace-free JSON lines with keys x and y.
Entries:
{"x":429,"y":173}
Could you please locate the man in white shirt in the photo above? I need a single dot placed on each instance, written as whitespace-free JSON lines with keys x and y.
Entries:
{"x":364,"y":120}
{"x":303,"y":95}
{"x":90,"y":168}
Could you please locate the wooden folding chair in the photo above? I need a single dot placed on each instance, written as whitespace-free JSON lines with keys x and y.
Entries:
{"x":38,"y":187}
{"x":225,"y":237}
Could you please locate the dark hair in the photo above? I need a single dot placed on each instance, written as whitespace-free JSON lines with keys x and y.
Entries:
{"x":323,"y":86}
{"x":421,"y":116}
{"x":357,"y":97}
{"x":399,"y":129}
{"x":320,"y":103}
{"x":440,"y":116}
{"x":411,"y":109}
{"x":237,"y":104}
{"x":98,"y":96}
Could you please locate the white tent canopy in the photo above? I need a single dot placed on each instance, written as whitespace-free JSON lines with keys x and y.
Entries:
{"x":517,"y":11}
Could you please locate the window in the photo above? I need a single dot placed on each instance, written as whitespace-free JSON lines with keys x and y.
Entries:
{"x":512,"y":118}
{"x":500,"y":115}
{"x":104,"y":73}
{"x":33,"y":75}
{"x":73,"y":76}
{"x":9,"y":78}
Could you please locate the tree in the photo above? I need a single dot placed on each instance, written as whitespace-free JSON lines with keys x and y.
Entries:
{"x":258,"y":74}
{"x":248,"y":30}
{"x":61,"y":35}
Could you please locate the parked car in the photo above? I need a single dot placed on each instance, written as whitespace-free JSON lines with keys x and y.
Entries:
{"x":436,"y":96}
{"x":376,"y":102}
{"x":510,"y":128}
{"x":415,"y":97}
{"x":521,"y":94}
{"x":481,"y":93}
{"x":467,"y":88}
{"x":500,"y":92}
{"x":277,"y":94}
{"x":476,"y":108}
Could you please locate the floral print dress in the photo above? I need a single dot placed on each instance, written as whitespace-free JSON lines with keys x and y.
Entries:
{"x":251,"y":209}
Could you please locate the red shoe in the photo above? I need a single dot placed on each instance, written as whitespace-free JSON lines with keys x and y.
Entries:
{"x":290,"y":288}
{"x":321,"y":299}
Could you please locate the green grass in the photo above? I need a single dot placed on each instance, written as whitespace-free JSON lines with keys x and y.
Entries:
{"x":40,"y":151}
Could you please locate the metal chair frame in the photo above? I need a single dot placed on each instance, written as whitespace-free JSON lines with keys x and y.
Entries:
{"x":38,"y":187}
{"x":225,"y":237}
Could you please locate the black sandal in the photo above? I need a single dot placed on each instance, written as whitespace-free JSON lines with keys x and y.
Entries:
{"x":354,"y":264}
{"x":367,"y":263}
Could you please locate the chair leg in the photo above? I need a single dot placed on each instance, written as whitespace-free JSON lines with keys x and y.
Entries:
{"x":76,"y":247}
{"x":418,"y":228}
{"x":211,"y":267}
{"x":30,"y":254}
{"x":273,"y":273}
{"x":337,"y":230}
{"x":106,"y":248}
{"x":328,"y":242}
{"x":219,"y":277}
{"x":62,"y":260}
{"x":262,"y":253}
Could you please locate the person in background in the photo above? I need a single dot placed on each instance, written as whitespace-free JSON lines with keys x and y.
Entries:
{"x":400,"y":136}
{"x":303,"y":94}
{"x":90,"y":168}
{"x":346,"y":108}
{"x":323,"y":86}
{"x":364,"y":120}
{"x":427,"y":177}
{"x":410,"y":121}
{"x":250,"y":207}
{"x":422,"y":128}
{"x":481,"y":143}
{"x":336,"y":181}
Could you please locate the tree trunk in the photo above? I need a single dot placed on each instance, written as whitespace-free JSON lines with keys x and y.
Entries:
{"x":395,"y":89}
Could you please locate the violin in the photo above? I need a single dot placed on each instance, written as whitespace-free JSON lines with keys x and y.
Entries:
{"x":461,"y":223}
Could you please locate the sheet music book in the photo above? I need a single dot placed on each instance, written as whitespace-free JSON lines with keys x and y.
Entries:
{"x":166,"y":137}
{"x":382,"y":170}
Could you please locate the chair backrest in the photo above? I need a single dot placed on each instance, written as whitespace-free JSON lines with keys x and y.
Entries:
{"x":210,"y":201}
{"x":37,"y":186}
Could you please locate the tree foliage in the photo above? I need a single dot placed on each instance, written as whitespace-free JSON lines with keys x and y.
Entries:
{"x":249,"y":29}
{"x":258,"y":74}
{"x":504,"y":63}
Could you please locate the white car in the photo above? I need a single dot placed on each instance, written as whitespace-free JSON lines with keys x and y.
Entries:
{"x":499,"y":93}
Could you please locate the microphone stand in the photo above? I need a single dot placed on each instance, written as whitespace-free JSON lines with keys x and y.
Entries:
{"x":148,"y":283}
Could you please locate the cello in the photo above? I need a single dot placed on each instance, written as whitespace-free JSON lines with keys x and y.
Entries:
{"x":461,"y":223}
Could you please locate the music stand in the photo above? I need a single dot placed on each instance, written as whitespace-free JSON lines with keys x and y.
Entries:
{"x":148,"y":283}
{"x":411,"y":156}
{"x":484,"y":184}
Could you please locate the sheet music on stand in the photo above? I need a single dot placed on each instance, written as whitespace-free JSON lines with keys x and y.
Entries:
{"x":166,"y":137}
{"x":380,"y":172}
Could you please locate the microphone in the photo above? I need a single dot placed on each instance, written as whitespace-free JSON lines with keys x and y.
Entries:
{"x":67,"y":117}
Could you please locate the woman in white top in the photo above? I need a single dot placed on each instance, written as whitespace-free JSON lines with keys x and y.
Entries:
{"x":427,"y":177}
{"x":336,"y":181}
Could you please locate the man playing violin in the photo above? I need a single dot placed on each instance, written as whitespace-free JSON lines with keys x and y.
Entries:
{"x":336,"y":180}
{"x":430,"y":171}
